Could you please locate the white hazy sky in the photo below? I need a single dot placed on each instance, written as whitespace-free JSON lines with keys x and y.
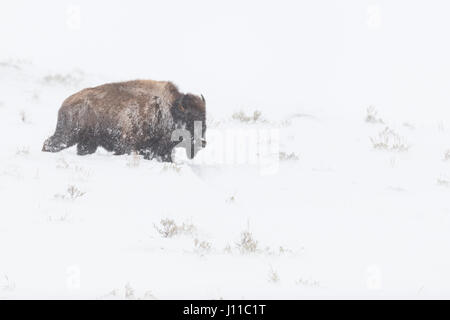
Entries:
{"x":260,"y":54}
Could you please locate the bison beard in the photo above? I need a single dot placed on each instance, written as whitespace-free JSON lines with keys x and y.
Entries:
{"x":136,"y":116}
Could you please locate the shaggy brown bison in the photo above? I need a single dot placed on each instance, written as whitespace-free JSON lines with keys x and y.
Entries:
{"x":142,"y":116}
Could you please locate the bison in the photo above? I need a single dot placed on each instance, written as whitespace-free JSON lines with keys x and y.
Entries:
{"x":136,"y":116}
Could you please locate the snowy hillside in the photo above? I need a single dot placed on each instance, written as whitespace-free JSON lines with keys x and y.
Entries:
{"x":355,"y":202}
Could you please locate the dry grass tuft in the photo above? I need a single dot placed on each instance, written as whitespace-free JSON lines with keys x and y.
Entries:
{"x":70,"y":79}
{"x":447,"y":155}
{"x":273,"y":276}
{"x":243,"y":117}
{"x":389,"y":140}
{"x":247,"y":244}
{"x":443,"y":181}
{"x":72,"y":193}
{"x":127,"y":293}
{"x":172,"y":167}
{"x":288,"y":156}
{"x":168,"y":228}
{"x":202,"y":247}
{"x":372,"y":115}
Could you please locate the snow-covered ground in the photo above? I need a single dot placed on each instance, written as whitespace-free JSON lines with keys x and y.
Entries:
{"x":357,"y":205}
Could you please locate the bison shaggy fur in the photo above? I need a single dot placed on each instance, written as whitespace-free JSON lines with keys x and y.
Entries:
{"x":135,"y":116}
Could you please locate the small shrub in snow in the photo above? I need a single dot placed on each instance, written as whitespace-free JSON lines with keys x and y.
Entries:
{"x":447,"y":155}
{"x":128,"y":293}
{"x":247,"y":244}
{"x":257,"y":115}
{"x":243,"y":117}
{"x":169,"y":228}
{"x":389,"y":140}
{"x":281,"y":250}
{"x":63,"y":79}
{"x":72,"y":193}
{"x":172,"y":167}
{"x":443,"y":181}
{"x":288,"y":156}
{"x":186,"y":228}
{"x":372,"y":115}
{"x":273,"y":276}
{"x":231,"y":199}
{"x":58,"y":218}
{"x":202,"y":247}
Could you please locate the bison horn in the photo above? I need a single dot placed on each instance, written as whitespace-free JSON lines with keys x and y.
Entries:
{"x":203,"y":98}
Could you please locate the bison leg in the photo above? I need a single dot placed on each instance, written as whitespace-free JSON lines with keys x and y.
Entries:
{"x":166,"y":157}
{"x":86,"y":147}
{"x":161,"y":157}
{"x":162,"y":154}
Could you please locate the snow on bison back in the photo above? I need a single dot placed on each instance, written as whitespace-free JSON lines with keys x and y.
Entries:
{"x":135,"y":116}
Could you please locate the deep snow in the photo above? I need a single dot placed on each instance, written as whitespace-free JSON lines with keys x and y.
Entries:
{"x":340,"y":218}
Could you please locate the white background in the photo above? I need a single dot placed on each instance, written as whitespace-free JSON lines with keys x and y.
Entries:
{"x":355,"y":221}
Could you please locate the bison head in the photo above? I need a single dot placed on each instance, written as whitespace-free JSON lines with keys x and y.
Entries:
{"x":189,"y":112}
